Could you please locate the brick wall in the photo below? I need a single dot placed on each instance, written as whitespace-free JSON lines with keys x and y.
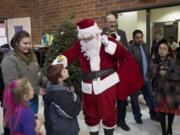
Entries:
{"x":46,"y":15}
{"x":54,"y":11}
{"x":23,"y":8}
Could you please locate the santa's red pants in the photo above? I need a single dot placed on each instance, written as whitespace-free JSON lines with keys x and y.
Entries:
{"x":100,"y":107}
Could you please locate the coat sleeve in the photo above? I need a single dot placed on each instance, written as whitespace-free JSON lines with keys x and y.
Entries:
{"x":68,"y":55}
{"x":115,"y":49}
{"x":124,"y":38}
{"x":9,"y":70}
{"x":72,"y":53}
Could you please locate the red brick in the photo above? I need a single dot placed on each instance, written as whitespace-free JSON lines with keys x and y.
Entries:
{"x":46,"y":15}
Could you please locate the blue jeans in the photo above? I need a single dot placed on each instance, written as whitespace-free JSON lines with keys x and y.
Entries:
{"x":148,"y":96}
{"x":34,"y":104}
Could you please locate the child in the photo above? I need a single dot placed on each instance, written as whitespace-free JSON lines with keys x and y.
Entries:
{"x":164,"y":93}
{"x":62,"y":105}
{"x":173,"y":83}
{"x":18,"y":115}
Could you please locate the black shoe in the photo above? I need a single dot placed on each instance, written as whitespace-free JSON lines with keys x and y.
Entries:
{"x":6,"y":131}
{"x":124,"y":126}
{"x":169,"y":131}
{"x":108,"y":131}
{"x":94,"y":133}
{"x":139,"y":121}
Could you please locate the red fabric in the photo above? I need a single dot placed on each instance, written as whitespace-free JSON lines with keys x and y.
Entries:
{"x":85,"y":23}
{"x":163,"y":107}
{"x":102,"y":106}
{"x":131,"y":79}
{"x":107,"y":61}
{"x":16,"y":134}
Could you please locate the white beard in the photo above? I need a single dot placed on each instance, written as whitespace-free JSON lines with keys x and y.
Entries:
{"x":91,"y":49}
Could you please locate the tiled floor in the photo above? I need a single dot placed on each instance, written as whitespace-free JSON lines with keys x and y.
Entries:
{"x":147,"y":128}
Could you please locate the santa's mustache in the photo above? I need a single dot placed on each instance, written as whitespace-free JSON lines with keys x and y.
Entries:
{"x":90,"y":48}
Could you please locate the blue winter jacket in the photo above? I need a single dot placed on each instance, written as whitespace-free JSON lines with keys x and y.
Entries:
{"x":61,"y":109}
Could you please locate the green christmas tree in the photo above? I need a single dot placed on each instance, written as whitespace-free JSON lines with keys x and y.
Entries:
{"x":63,"y":39}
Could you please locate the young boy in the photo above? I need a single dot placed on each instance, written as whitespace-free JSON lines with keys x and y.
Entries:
{"x":62,"y":105}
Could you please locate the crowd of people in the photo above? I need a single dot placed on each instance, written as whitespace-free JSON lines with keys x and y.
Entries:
{"x":108,"y":65}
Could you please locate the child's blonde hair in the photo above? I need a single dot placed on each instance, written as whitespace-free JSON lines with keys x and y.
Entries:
{"x":21,"y":89}
{"x":13,"y":99}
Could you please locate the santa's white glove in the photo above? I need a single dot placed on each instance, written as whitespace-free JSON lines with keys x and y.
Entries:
{"x":61,"y":59}
{"x":104,"y":40}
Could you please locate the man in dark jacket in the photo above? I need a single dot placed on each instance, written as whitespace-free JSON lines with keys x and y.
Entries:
{"x":111,"y":29}
{"x":155,"y":44}
{"x":138,"y":49}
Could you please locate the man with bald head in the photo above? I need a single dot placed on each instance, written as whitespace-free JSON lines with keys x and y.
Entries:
{"x":111,"y":29}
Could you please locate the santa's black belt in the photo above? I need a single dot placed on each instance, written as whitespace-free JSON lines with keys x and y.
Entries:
{"x":95,"y":74}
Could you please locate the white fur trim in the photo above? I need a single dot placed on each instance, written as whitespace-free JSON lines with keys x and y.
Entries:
{"x":111,"y":47}
{"x":61,"y":59}
{"x":86,"y":87}
{"x":105,"y":127}
{"x":95,"y":63}
{"x":75,"y":96}
{"x":100,"y":86}
{"x":89,"y":32}
{"x":94,"y":128}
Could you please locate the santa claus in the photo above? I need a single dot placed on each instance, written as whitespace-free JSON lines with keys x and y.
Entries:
{"x":99,"y":58}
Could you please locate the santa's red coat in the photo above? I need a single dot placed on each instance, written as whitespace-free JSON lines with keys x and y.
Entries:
{"x":126,"y":66}
{"x":100,"y":95}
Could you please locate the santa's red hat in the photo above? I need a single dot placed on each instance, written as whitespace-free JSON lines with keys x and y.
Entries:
{"x":87,"y":28}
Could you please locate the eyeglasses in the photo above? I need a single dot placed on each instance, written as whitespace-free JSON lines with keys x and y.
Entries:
{"x":163,"y":49}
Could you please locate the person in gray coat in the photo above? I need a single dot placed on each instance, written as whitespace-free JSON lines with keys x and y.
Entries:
{"x":22,"y":62}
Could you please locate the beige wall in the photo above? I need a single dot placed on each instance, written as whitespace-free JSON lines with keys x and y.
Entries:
{"x":128,"y":23}
{"x":11,"y":23}
{"x":165,"y":15}
{"x":178,"y":31}
{"x":141,"y":23}
{"x":132,"y":20}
